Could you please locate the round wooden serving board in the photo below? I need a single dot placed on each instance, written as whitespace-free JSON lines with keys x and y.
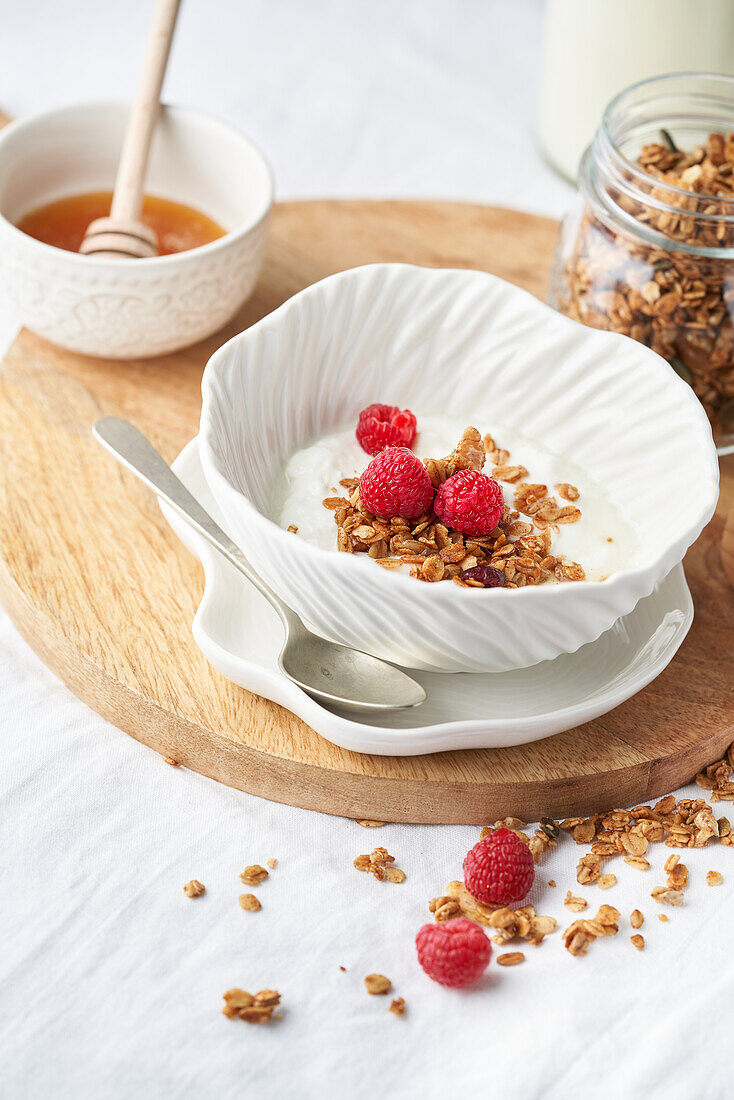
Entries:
{"x":105,"y":593}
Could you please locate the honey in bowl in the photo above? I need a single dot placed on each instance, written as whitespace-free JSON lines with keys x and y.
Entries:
{"x":64,"y":222}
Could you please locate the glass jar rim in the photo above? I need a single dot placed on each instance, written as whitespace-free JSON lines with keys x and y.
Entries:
{"x":634,"y":182}
{"x":621,"y":99}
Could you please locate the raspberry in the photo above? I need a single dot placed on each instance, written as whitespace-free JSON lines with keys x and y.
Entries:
{"x":381,"y":426}
{"x":486,"y":574}
{"x":499,"y":869}
{"x":454,"y":953}
{"x":470,"y":502}
{"x":396,"y":483}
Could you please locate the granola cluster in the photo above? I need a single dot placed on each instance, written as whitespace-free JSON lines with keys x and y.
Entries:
{"x":677,"y":303}
{"x":377,"y":984}
{"x":509,"y":924}
{"x":253,"y":875}
{"x":380,"y":864}
{"x":581,"y":934}
{"x":716,"y":779}
{"x":255,"y":1008}
{"x":520,"y":546}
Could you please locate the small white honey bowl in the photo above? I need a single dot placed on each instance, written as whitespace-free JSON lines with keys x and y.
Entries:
{"x":131,"y":308}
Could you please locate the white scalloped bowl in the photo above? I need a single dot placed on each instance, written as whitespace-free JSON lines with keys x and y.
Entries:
{"x":453,"y":341}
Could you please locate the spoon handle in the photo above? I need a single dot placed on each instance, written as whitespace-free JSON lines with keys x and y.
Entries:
{"x":130,"y":447}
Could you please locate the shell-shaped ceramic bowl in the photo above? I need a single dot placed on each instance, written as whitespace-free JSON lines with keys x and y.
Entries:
{"x":453,"y":341}
{"x":122,"y":308}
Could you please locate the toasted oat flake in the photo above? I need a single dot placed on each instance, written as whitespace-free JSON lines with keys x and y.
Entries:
{"x":258,"y":1014}
{"x":249,"y":902}
{"x":678,"y":877}
{"x":271,"y":863}
{"x":367,"y":824}
{"x":567,"y":514}
{"x":377,"y":984}
{"x":235,"y":999}
{"x":637,"y":862}
{"x":469,"y":453}
{"x":551,"y":882}
{"x":510,"y":474}
{"x":171,"y":761}
{"x":267,"y":997}
{"x":584,"y":832}
{"x":605,"y":882}
{"x":397,"y":1006}
{"x":636,"y":918}
{"x":567,"y":491}
{"x":665,"y":895}
{"x":634,"y":844}
{"x":714,"y":878}
{"x":194,"y":889}
{"x":638,"y":942}
{"x":576,"y":905}
{"x":510,"y":958}
{"x":569,"y":571}
{"x":293,"y":528}
{"x":662,"y":917}
{"x":253,"y":875}
{"x":433,"y":568}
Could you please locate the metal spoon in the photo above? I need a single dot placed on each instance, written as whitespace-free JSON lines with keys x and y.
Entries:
{"x":329,"y":672}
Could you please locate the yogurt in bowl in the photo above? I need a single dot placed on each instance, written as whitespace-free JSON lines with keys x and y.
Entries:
{"x":472,"y":350}
{"x":601,"y":542}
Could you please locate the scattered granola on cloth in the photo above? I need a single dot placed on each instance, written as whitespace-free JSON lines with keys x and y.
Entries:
{"x":253,"y":1009}
{"x":194,"y":889}
{"x":380,"y":864}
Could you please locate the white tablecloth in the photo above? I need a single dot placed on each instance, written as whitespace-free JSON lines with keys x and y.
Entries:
{"x":110,"y":978}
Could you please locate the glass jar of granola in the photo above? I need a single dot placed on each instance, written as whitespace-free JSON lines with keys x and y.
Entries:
{"x":649,"y":249}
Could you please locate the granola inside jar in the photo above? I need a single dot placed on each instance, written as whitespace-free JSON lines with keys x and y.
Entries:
{"x":649,"y":249}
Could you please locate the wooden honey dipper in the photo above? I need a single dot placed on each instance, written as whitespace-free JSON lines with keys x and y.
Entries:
{"x":124,"y":233}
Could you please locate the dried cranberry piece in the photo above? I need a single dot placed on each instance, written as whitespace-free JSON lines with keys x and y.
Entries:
{"x":486,"y":574}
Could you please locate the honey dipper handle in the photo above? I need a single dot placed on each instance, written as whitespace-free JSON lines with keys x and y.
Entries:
{"x":128,"y":197}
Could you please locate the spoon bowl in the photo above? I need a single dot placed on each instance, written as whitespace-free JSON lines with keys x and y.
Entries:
{"x":332,"y":673}
{"x":325,"y":669}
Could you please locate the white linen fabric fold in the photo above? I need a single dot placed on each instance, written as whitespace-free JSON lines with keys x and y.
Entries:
{"x":110,"y":977}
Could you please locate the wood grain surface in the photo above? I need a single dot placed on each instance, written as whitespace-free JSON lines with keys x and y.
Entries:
{"x":105,"y":593}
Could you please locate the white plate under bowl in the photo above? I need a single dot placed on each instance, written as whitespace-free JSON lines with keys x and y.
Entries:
{"x":240,"y":635}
